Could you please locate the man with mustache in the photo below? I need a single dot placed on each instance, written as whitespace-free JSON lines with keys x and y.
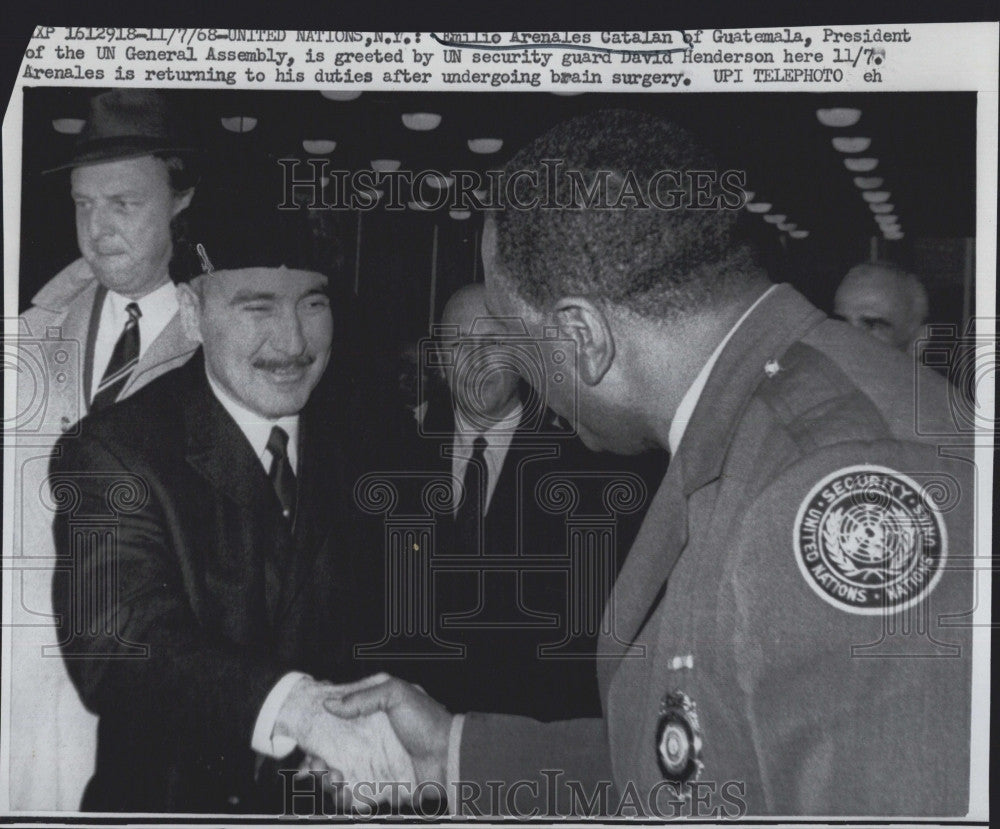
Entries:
{"x":228,"y":483}
{"x":110,"y":319}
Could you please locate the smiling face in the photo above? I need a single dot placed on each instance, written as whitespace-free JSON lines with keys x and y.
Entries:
{"x":266,"y":332}
{"x":123,"y":214}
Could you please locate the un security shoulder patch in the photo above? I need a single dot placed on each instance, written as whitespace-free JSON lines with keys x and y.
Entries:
{"x":868,"y":540}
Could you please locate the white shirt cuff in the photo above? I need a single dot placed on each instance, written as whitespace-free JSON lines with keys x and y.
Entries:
{"x":264,"y":740}
{"x":452,"y":772}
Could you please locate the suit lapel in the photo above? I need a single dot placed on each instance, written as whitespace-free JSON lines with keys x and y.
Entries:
{"x":169,"y":350}
{"x":218,"y":450}
{"x":655,"y":551}
{"x":781,"y":319}
{"x":81,"y":324}
{"x":320,"y":502}
{"x":220,"y":453}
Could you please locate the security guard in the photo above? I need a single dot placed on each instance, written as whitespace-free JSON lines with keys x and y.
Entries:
{"x":790,"y":633}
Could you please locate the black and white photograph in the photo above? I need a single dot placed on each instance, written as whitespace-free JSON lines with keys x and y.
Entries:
{"x":609,"y":453}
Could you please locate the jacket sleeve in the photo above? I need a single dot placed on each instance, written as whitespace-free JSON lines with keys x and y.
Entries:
{"x":516,"y":766}
{"x":128,"y":633}
{"x":850,"y":704}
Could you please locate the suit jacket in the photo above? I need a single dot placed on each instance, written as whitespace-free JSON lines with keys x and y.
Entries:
{"x":213,"y":596}
{"x":755,"y":638}
{"x":54,"y":738}
{"x":517,"y":612}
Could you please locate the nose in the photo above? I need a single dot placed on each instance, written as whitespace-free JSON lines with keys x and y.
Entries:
{"x":288,"y":337}
{"x":98,"y":221}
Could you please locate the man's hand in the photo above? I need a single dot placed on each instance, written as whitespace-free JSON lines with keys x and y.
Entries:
{"x":362,"y":749}
{"x":421,"y":724}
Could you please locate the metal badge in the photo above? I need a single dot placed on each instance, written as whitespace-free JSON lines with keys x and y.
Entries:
{"x":679,"y":739}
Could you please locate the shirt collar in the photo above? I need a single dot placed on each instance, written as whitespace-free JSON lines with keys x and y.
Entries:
{"x":690,"y":399}
{"x":157,"y":307}
{"x":499,"y":432}
{"x":257,"y":428}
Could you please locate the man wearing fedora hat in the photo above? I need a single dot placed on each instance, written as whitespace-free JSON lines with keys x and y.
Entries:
{"x":130,"y":178}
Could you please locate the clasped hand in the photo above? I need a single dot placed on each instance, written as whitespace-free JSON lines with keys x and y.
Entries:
{"x":380,"y":733}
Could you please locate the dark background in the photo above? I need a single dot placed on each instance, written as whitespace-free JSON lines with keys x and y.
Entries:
{"x":925,"y":143}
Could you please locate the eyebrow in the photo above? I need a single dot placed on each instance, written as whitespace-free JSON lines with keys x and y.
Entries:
{"x":119,"y":195}
{"x":243,"y":296}
{"x":252,"y":296}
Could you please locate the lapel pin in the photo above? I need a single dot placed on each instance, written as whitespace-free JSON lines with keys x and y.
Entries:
{"x":771,"y":367}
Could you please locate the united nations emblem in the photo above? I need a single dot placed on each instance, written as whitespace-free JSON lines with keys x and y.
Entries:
{"x":868,"y":540}
{"x":678,"y":739}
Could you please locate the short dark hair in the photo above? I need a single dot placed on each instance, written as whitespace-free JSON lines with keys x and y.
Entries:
{"x":654,"y":262}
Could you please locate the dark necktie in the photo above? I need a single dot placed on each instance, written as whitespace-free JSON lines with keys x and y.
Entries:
{"x":470,"y":511}
{"x":123,"y":361}
{"x":281,"y":474}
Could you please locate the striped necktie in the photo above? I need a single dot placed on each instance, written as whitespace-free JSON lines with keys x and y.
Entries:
{"x":123,"y":361}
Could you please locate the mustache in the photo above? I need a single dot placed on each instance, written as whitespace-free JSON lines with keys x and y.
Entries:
{"x":302,"y":361}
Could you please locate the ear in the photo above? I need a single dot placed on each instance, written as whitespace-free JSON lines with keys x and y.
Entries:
{"x":182,"y":200}
{"x":189,"y":298}
{"x":586,"y":324}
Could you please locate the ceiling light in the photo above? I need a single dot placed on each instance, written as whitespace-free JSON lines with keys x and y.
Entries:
{"x":787,"y":226}
{"x":421,"y":121}
{"x":749,"y":194}
{"x":485,"y":146}
{"x":893,"y":234}
{"x":439,"y":182}
{"x":68,"y":126}
{"x":385,"y":165}
{"x":861,"y":165}
{"x":887,"y":219}
{"x":868,"y":182}
{"x":775,"y":218}
{"x":319,"y":146}
{"x":851,"y":145}
{"x":758,"y":207}
{"x":838,"y":117}
{"x":875,"y":196}
{"x":799,"y":234}
{"x":340,"y":95}
{"x":460,"y":215}
{"x":884,"y":207}
{"x":239,"y":123}
{"x":418,"y":205}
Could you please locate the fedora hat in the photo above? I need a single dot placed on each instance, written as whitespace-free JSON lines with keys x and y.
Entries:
{"x":127,"y":123}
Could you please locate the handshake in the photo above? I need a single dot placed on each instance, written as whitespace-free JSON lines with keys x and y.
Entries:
{"x":379,"y":732}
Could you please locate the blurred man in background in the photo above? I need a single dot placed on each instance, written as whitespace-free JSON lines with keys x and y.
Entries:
{"x":884,"y":300}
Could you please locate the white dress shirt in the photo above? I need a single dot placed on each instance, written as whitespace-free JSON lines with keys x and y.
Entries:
{"x":682,"y":417}
{"x":157,"y":307}
{"x":678,"y":425}
{"x":257,"y":430}
{"x":498,"y":439}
